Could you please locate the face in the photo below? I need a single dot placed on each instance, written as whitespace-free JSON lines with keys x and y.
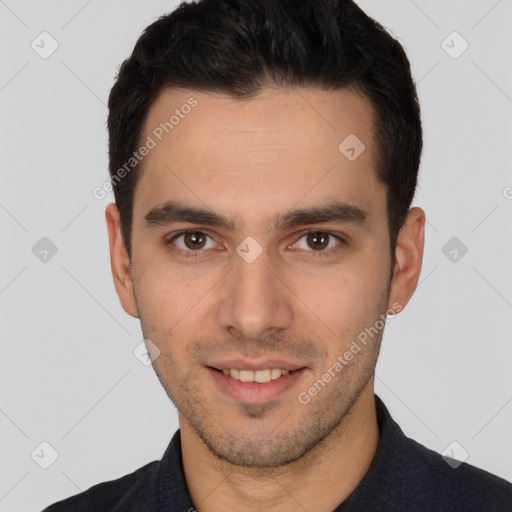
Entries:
{"x":260,"y":252}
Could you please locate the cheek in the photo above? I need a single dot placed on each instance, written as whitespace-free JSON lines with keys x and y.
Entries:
{"x":162,"y":307}
{"x":345,"y":302}
{"x":169,"y":297}
{"x":353,"y":288}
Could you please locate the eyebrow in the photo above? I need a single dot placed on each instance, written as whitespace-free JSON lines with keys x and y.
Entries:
{"x":337,"y":211}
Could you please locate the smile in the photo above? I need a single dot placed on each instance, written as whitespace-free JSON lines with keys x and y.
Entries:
{"x":254,"y":386}
{"x":260,"y":376}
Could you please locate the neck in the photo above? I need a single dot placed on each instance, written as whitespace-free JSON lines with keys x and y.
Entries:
{"x":319,"y":481}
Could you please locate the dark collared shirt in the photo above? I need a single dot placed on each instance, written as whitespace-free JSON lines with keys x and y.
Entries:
{"x":404,"y":476}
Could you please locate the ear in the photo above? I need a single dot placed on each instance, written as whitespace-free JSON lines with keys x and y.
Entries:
{"x":408,"y":259}
{"x":120,"y":262}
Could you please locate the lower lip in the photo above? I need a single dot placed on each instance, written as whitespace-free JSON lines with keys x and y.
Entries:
{"x":254,"y":392}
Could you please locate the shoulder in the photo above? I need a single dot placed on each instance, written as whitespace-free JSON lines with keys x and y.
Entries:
{"x":450,"y":485}
{"x":405,"y":475}
{"x":106,"y":495}
{"x":151,"y":487}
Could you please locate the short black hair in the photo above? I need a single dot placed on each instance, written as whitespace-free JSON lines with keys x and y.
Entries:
{"x":238,"y":47}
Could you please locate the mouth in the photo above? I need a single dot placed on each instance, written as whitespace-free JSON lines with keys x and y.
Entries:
{"x":259,"y":376}
{"x":255,"y":386}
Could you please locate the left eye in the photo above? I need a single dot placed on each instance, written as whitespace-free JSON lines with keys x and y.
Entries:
{"x":318,"y":241}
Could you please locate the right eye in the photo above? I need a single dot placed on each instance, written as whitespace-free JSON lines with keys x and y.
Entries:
{"x":191,"y":241}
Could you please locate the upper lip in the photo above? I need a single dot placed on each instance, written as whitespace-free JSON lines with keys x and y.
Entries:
{"x":254,"y":364}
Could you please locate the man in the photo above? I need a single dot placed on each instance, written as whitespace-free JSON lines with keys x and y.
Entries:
{"x":264,"y":157}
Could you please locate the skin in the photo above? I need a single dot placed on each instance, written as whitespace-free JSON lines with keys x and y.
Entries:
{"x":249,"y":161}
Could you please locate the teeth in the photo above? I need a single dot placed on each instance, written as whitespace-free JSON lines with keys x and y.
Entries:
{"x":260,"y":376}
{"x":275,"y":374}
{"x":263,"y":376}
{"x":246,"y":375}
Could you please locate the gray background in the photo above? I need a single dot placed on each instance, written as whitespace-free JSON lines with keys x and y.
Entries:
{"x":68,"y":375}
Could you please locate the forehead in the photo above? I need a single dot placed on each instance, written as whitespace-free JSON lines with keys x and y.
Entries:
{"x":278,"y":148}
{"x":272,"y":116}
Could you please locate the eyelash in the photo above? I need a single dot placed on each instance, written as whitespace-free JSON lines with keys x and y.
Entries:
{"x":313,"y":254}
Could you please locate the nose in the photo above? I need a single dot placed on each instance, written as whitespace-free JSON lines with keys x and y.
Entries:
{"x":254,"y":301}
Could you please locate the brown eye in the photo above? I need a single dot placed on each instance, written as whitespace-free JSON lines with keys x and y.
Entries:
{"x":319,"y":243}
{"x":191,"y":242}
{"x":194,"y":240}
{"x":318,"y":240}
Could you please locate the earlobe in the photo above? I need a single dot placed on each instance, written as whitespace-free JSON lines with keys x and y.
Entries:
{"x":120,"y":262}
{"x":408,"y":258}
